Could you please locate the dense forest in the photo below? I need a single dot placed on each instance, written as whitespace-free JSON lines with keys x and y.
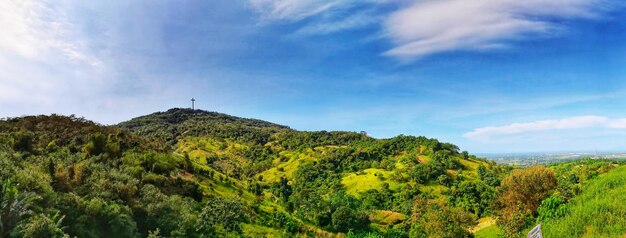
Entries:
{"x":192,"y":173}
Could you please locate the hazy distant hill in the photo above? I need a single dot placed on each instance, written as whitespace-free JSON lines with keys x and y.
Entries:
{"x":525,"y":159}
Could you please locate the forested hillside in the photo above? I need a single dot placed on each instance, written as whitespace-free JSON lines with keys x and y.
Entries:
{"x":191,"y":173}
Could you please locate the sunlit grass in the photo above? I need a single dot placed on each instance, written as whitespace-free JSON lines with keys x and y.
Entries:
{"x":599,"y":212}
{"x":383,"y":217}
{"x":286,"y":165}
{"x":359,"y":182}
{"x":491,"y":231}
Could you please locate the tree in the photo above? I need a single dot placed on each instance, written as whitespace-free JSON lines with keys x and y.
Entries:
{"x":283,"y":190}
{"x":573,"y":178}
{"x":435,"y":218}
{"x":96,"y":144}
{"x":155,"y":233}
{"x":345,"y":219}
{"x":43,"y":226}
{"x":488,"y":176}
{"x":526,"y":186}
{"x":514,"y":219}
{"x":465,"y":154}
{"x":52,"y":170}
{"x":52,"y":146}
{"x":474,"y":196}
{"x":23,"y":141}
{"x":444,"y":180}
{"x":188,"y":165}
{"x":224,"y":213}
{"x":113,"y":145}
{"x":482,"y":171}
{"x":552,"y":207}
{"x":373,"y":199}
{"x":520,"y":194}
{"x":168,"y":216}
{"x":280,"y":220}
{"x":96,"y":217}
{"x":14,"y":207}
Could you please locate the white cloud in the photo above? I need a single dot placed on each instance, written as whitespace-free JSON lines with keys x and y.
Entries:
{"x":41,"y":56}
{"x":424,"y":27}
{"x":617,"y":124}
{"x":36,"y":31}
{"x":91,"y":58}
{"x":17,"y":36}
{"x":434,"y":26}
{"x":581,"y":122}
{"x":48,"y":64}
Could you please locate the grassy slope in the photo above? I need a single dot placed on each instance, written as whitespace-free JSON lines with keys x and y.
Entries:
{"x":362,"y":181}
{"x":200,"y":144}
{"x":491,"y":231}
{"x":198,"y":148}
{"x":600,"y":211}
{"x":286,"y":165}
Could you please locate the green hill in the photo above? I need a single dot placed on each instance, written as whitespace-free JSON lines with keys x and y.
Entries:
{"x":191,"y":173}
{"x":180,"y":122}
{"x":363,"y":174}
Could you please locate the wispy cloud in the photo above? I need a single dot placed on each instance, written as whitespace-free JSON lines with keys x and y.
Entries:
{"x":49,"y":63}
{"x":321,"y":17}
{"x":35,"y":31}
{"x":424,"y":27}
{"x":41,"y":55}
{"x":429,"y":27}
{"x":354,"y":21}
{"x":580,"y":122}
{"x":294,"y":10}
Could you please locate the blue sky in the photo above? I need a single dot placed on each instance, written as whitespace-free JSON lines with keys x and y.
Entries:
{"x":489,"y":76}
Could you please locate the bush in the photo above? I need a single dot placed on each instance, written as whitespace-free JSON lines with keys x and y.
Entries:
{"x":23,"y":141}
{"x":281,"y":220}
{"x":43,"y":226}
{"x":345,"y":219}
{"x":158,"y":163}
{"x":551,"y":208}
{"x":227,"y":214}
{"x":96,"y":145}
{"x":514,"y":219}
{"x":435,"y":218}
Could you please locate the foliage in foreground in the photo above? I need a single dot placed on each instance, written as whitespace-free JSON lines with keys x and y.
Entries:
{"x":599,"y":211}
{"x":538,"y":195}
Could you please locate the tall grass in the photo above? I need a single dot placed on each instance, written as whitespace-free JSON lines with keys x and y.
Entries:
{"x":600,"y":211}
{"x":488,"y":232}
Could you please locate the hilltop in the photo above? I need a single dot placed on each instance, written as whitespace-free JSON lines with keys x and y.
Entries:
{"x":176,"y":122}
{"x":192,"y":173}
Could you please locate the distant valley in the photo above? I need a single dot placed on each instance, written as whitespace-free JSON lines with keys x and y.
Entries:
{"x":525,"y":159}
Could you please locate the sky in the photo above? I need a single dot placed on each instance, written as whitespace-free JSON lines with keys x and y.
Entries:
{"x":490,"y":76}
